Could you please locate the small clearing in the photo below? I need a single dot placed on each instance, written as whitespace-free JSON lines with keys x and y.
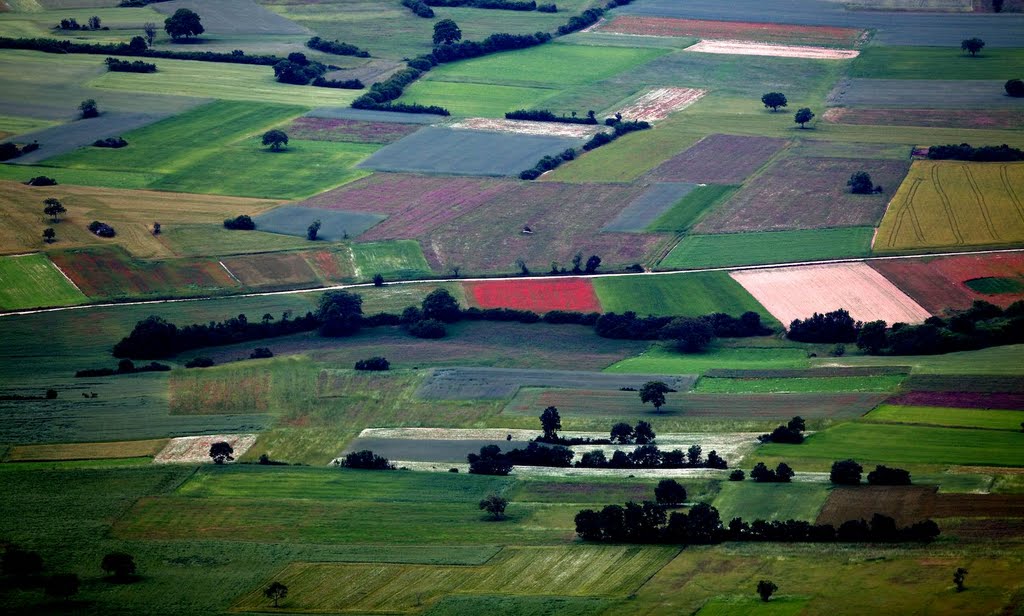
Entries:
{"x":196,"y":449}
{"x":658,"y":103}
{"x":751,"y":48}
{"x":525,"y":127}
{"x":797,"y":292}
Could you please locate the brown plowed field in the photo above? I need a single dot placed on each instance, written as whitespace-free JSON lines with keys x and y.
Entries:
{"x":738,"y":30}
{"x":268,"y":270}
{"x":961,"y":399}
{"x":979,"y":506}
{"x":953,"y":382}
{"x":802,"y":193}
{"x":938,"y":283}
{"x":719,"y":159}
{"x":980,"y":528}
{"x":939,"y":118}
{"x":907,"y":504}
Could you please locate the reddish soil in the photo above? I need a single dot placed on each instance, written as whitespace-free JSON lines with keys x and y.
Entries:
{"x":112,"y":273}
{"x":270,"y":270}
{"x":539,"y":296}
{"x":806,"y":193}
{"x":907,"y":504}
{"x":327,"y":262}
{"x":938,"y":283}
{"x":719,"y":159}
{"x":353,"y":131}
{"x":736,"y":30}
{"x":940,"y":118}
{"x":961,"y":399}
{"x":220,"y":395}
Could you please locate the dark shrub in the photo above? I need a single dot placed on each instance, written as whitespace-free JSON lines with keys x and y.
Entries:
{"x":261,"y":353}
{"x":367,"y":460}
{"x":373,"y":363}
{"x":428,"y":328}
{"x":41,"y":180}
{"x":240,"y":223}
{"x":102,"y":229}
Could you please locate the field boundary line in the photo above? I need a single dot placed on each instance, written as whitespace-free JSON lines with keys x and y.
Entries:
{"x":434,"y":281}
{"x":1009,"y":190}
{"x":982,"y":205}
{"x":947,"y":206}
{"x":233,"y":277}
{"x":66,"y":277}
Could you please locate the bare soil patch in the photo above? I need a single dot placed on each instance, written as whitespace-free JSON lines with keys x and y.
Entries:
{"x":496,"y":383}
{"x":658,"y":103}
{"x":751,"y":48}
{"x":979,"y":506}
{"x":348,"y":131}
{"x":271,"y":270}
{"x":959,"y":383}
{"x":719,"y":159}
{"x":798,"y":292}
{"x":961,"y":399}
{"x":196,"y":449}
{"x":910,"y":93}
{"x":907,"y":504}
{"x":524,"y":127}
{"x":939,"y":118}
{"x":731,"y":30}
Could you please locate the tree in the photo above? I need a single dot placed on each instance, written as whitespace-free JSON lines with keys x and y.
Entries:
{"x":690,"y":335}
{"x":276,"y":139}
{"x":860,"y":183}
{"x":440,"y":305}
{"x":774,"y":100}
{"x":89,"y":109}
{"x":593,"y":262}
{"x":54,"y":208}
{"x":1015,"y":88}
{"x":494,"y":505}
{"x":622,"y":433}
{"x":446,"y":32}
{"x":156,"y":228}
{"x":958,"y":578}
{"x":275,"y":592}
{"x":577,"y":261}
{"x":378,"y":280}
{"x":222,"y":452}
{"x":872,"y":337}
{"x":95,"y":23}
{"x":63,"y":585}
{"x":19,"y":563}
{"x":551,"y":423}
{"x":149,"y":28}
{"x":49,"y":235}
{"x":183,"y":24}
{"x":654,"y":392}
{"x":803,"y":116}
{"x":972,"y":45}
{"x":845,"y":472}
{"x":312,"y":230}
{"x":643,"y":433}
{"x":669,"y":492}
{"x":340,"y":313}
{"x":118,"y":564}
{"x":766,"y":588}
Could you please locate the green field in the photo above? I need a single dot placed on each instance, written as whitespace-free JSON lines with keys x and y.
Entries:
{"x":888,"y":443}
{"x":396,"y":259}
{"x":793,"y":385}
{"x":661,"y":360}
{"x":475,"y":99}
{"x":696,"y":251}
{"x":682,"y":294}
{"x":950,"y":417}
{"x":770,"y":501}
{"x":86,"y":451}
{"x":691,"y":208}
{"x":995,"y":285}
{"x":32,"y":281}
{"x":875,"y":62}
{"x":1000,"y":360}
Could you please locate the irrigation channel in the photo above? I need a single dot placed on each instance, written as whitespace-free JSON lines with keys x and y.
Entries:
{"x":732,"y":268}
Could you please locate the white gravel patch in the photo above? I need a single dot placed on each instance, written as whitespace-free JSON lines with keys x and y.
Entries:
{"x":527,"y":127}
{"x":751,"y":48}
{"x":658,"y":103}
{"x":196,"y":449}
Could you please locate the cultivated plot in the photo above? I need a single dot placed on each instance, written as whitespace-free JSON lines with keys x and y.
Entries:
{"x":962,"y":400}
{"x":86,"y":451}
{"x":943,"y":283}
{"x":676,"y":295}
{"x":658,"y":199}
{"x":32,"y":281}
{"x":270,"y":270}
{"x":800,"y":193}
{"x":691,"y":208}
{"x":720,"y":159}
{"x":940,"y":118}
{"x":335,"y":225}
{"x":947,"y":203}
{"x":956,"y":94}
{"x":226,"y":17}
{"x":906,"y":504}
{"x":1002,"y":419}
{"x":575,"y":294}
{"x":658,"y":103}
{"x":750,"y":48}
{"x":525,"y":127}
{"x":731,"y":30}
{"x":369,"y":115}
{"x":797,"y":292}
{"x":495,"y":383}
{"x":465,"y":152}
{"x":73,"y":135}
{"x":312,"y":128}
{"x":696,"y":251}
{"x":196,"y":449}
{"x":393,"y":259}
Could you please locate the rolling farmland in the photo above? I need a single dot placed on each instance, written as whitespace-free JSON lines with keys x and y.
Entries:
{"x":684,"y":294}
{"x":573,"y":294}
{"x":30,"y":281}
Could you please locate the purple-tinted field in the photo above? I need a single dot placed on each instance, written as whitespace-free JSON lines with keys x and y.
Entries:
{"x":351,"y":131}
{"x":414,"y":204}
{"x":961,"y":399}
{"x":719,"y":159}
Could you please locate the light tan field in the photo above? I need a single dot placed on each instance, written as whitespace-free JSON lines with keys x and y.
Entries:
{"x":525,"y":127}
{"x":86,"y":451}
{"x":658,"y":103}
{"x":131,"y":212}
{"x":798,"y":292}
{"x":750,"y":48}
{"x":196,"y":449}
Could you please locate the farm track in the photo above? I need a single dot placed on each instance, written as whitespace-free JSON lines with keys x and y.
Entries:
{"x":980,"y":196}
{"x":1005,"y":178}
{"x":435,"y":281}
{"x":947,"y":206}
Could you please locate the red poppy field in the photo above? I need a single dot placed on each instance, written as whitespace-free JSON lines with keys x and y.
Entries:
{"x":559,"y":294}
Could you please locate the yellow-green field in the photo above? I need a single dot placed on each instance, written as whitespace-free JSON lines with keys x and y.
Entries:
{"x":86,"y":451}
{"x":946,"y":204}
{"x":32,"y":281}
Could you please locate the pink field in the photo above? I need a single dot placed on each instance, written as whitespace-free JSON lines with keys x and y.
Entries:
{"x":750,"y":48}
{"x":656,"y":104}
{"x":729,"y":30}
{"x":798,"y":292}
{"x":524,"y":127}
{"x":196,"y":449}
{"x":540,"y":296}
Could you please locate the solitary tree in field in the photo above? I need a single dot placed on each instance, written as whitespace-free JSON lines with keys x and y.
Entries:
{"x":439,"y":304}
{"x":845,"y":472}
{"x":49,"y":235}
{"x":972,"y":45}
{"x":550,"y":422}
{"x":670,"y":492}
{"x":766,"y":588}
{"x":89,"y":109}
{"x":119,"y":565}
{"x":156,"y":228}
{"x":275,"y":138}
{"x":62,"y":586}
{"x":774,"y":100}
{"x":150,"y":29}
{"x":312,"y":230}
{"x":958,"y":578}
{"x":378,"y":280}
{"x":275,"y":592}
{"x":1015,"y":88}
{"x":654,"y":392}
{"x":803,"y":116}
{"x":54,"y":208}
{"x":183,"y":24}
{"x":222,"y":452}
{"x":494,"y":505}
{"x":446,"y":31}
{"x":860,"y":183}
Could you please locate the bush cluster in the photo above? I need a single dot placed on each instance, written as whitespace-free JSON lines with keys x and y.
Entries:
{"x":347,"y":84}
{"x":1014,"y":88}
{"x":620,"y":128}
{"x":547,"y":164}
{"x":508,"y":5}
{"x":495,"y":43}
{"x":240,"y":223}
{"x":41,"y":180}
{"x":980,"y":326}
{"x":629,"y":326}
{"x":110,"y":142}
{"x":298,"y":70}
{"x":419,"y":7}
{"x":125,"y":366}
{"x":987,"y":153}
{"x":792,"y":433}
{"x":373,"y":364}
{"x":129,"y":66}
{"x":491,"y":460}
{"x":545,"y":115}
{"x":10,"y":150}
{"x":782,"y":473}
{"x":367,"y":460}
{"x":835,"y":326}
{"x":47,"y":45}
{"x":102,"y":229}
{"x":336,"y":47}
{"x":382,"y":94}
{"x":585,"y":19}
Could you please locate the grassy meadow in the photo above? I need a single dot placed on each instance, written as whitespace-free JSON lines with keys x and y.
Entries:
{"x":680,"y":294}
{"x":31,"y":281}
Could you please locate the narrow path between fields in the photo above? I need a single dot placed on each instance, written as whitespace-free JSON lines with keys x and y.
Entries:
{"x":733,"y":268}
